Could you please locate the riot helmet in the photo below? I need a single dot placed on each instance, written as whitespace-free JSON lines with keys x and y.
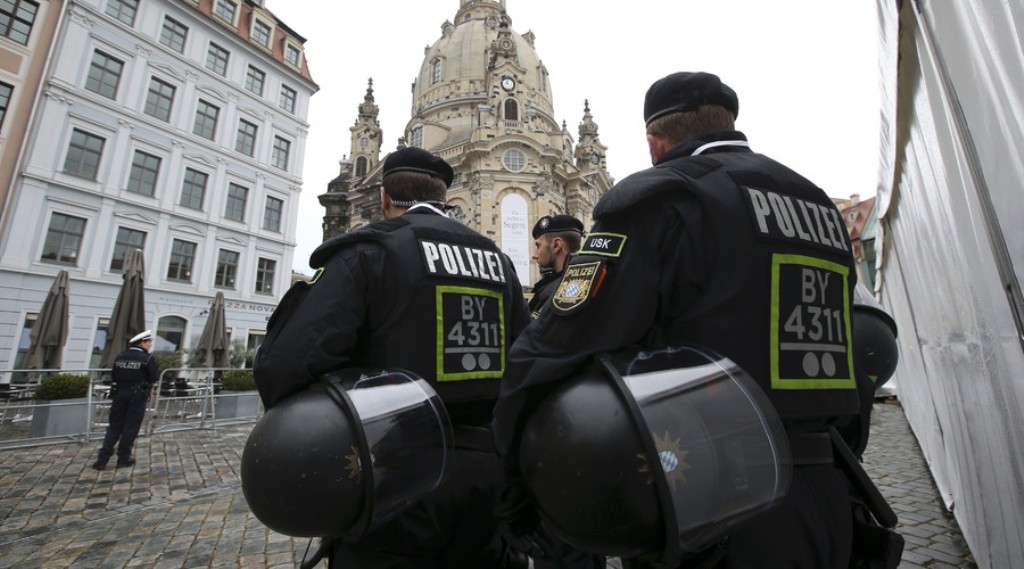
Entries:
{"x":346,"y":454}
{"x":876,"y":352}
{"x":659,"y":455}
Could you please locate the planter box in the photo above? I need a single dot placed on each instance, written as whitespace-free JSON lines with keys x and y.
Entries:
{"x":59,"y":418}
{"x":238,"y":405}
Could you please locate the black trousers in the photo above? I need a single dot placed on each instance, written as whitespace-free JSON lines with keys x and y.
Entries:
{"x":127,"y":409}
{"x":453,"y":527}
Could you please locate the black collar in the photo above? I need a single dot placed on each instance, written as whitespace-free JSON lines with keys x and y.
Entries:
{"x":709,"y":143}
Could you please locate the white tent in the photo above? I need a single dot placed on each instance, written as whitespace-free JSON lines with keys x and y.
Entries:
{"x":951,"y":209}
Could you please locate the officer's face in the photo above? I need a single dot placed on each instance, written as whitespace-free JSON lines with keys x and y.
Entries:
{"x":544,"y":251}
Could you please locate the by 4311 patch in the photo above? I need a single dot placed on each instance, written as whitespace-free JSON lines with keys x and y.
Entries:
{"x":811,"y":346}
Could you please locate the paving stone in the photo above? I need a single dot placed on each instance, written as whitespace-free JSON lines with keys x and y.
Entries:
{"x":181,"y":505}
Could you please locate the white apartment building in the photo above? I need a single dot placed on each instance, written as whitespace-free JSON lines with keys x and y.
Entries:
{"x":173,"y":126}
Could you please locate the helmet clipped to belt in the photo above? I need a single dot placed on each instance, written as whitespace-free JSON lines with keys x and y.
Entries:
{"x":342,"y":457}
{"x":661,"y":459}
{"x":876,"y":352}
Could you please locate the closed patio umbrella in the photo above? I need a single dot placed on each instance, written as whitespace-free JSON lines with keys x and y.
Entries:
{"x":129,"y":315}
{"x":214,"y":344}
{"x":50,"y":330}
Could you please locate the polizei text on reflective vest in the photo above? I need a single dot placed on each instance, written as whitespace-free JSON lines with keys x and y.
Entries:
{"x":462,"y":261}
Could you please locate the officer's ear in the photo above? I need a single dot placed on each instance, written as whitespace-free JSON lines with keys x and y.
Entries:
{"x":658,"y":146}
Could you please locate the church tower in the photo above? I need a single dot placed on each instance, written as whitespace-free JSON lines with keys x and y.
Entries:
{"x":482,"y":100}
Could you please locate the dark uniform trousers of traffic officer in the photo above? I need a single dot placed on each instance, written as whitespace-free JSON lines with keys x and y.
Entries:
{"x":134,"y":372}
{"x":724,"y":248}
{"x":420,"y":292}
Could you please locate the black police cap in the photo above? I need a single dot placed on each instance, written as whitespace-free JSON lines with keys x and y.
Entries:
{"x":412,"y":159}
{"x":557,"y":224}
{"x":685,"y":91}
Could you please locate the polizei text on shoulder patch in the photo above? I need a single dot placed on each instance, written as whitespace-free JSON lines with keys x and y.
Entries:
{"x":462,"y":261}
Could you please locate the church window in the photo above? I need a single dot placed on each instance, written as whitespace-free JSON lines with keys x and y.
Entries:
{"x":435,"y":71}
{"x":511,"y":110}
{"x":514,"y":160}
{"x":417,"y":137}
{"x":361,"y":166}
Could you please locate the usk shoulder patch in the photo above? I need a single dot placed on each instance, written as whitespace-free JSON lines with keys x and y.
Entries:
{"x":604,"y":244}
{"x":579,"y":283}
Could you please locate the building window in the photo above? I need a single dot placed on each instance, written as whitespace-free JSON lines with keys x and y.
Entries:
{"x":170,"y":332}
{"x":253,"y":343}
{"x":16,"y":19}
{"x":227,"y":267}
{"x":287,"y":99}
{"x":84,"y":153}
{"x":159,"y":99}
{"x":417,"y":137}
{"x":193,"y":189}
{"x":514,"y":160}
{"x":291,"y":54}
{"x":265,"y":276}
{"x":235,"y":208}
{"x":174,"y":34}
{"x":127,"y":241}
{"x":5,"y":100}
{"x":361,"y":166}
{"x":261,"y":33}
{"x":435,"y":71}
{"x":282,"y":148}
{"x":99,"y":340}
{"x":63,"y":239}
{"x":104,"y":74}
{"x":217,"y":59}
{"x":225,"y":10}
{"x":245,"y":142}
{"x":23,"y":345}
{"x":123,"y":10}
{"x":206,"y":120}
{"x":254,"y":80}
{"x":145,"y":169}
{"x":272,"y":214}
{"x":511,"y":110}
{"x":183,"y":254}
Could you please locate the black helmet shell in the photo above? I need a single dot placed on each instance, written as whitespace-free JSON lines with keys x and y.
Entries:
{"x":301,"y":468}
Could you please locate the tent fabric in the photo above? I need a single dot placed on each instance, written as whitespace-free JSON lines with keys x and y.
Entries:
{"x":129,"y":315}
{"x":50,"y":330}
{"x":953,"y":259}
{"x":213,"y":349}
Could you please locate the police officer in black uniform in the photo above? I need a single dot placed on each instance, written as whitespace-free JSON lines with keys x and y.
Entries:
{"x":418,"y":291}
{"x":555,"y":239}
{"x":721,"y":247}
{"x":134,"y":372}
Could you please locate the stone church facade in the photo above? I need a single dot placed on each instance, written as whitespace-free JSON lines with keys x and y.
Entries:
{"x":482,"y":100}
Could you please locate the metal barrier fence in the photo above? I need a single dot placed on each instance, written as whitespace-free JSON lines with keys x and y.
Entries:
{"x":185,"y":398}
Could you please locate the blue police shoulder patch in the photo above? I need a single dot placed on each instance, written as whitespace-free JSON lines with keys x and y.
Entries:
{"x":604,"y":244}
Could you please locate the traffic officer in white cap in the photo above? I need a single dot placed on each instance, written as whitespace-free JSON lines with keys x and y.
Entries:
{"x":134,"y":372}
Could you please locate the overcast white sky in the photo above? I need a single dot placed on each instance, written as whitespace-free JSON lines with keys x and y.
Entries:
{"x":805,"y":71}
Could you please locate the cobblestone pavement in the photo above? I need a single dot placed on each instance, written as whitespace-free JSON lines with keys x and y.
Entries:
{"x":181,"y":504}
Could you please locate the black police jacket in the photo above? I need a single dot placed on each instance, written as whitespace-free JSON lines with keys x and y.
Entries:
{"x":420,"y":292}
{"x":134,"y":366}
{"x":542,"y":292}
{"x":715,"y":246}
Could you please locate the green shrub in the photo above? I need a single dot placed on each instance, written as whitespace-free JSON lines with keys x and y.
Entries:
{"x":62,"y":386}
{"x":238,"y":380}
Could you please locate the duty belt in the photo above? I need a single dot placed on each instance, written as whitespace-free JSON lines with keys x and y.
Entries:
{"x":473,"y":437}
{"x":810,"y":448}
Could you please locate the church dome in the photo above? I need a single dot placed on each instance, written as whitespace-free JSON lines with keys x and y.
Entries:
{"x":468,"y":66}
